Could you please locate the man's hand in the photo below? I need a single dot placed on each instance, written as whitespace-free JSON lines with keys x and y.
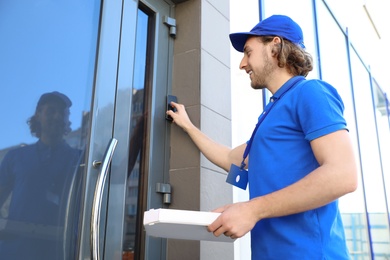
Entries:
{"x":180,"y":117}
{"x":235,"y":220}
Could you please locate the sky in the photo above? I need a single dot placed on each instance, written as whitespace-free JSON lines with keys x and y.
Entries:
{"x":47,"y":46}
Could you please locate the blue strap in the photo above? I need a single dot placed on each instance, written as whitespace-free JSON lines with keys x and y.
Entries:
{"x":273,"y":101}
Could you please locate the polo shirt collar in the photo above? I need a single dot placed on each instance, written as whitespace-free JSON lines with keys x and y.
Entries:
{"x":285,"y":87}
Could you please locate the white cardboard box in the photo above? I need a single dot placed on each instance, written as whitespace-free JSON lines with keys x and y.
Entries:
{"x":181,"y":224}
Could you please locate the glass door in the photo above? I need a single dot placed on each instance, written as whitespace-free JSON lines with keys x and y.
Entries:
{"x":141,"y":160}
{"x":47,"y":69}
{"x":75,"y":76}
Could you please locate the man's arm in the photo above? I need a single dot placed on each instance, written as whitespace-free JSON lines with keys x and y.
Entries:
{"x":218,"y":154}
{"x":335,"y":177}
{"x":6,"y":181}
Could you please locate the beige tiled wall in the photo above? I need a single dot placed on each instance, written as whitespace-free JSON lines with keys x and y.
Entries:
{"x":215,"y":112}
{"x":201,"y":81}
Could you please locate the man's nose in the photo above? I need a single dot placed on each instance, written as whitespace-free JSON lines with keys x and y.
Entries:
{"x":243,"y":63}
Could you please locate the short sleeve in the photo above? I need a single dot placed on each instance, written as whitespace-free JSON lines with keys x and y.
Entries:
{"x":320,"y":109}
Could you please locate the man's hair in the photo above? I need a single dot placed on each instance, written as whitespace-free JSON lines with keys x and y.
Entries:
{"x":35,"y":125}
{"x":291,"y":56}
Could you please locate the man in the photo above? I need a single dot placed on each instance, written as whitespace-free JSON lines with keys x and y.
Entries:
{"x":37,"y":178}
{"x":300,"y":158}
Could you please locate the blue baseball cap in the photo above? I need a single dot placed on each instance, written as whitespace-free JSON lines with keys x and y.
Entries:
{"x":54,"y":96}
{"x":275,"y":25}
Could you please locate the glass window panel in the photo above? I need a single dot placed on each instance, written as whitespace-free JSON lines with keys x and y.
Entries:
{"x":381,"y":105}
{"x":370,"y":158}
{"x":46,"y":47}
{"x":137,"y":135}
{"x":332,"y":43}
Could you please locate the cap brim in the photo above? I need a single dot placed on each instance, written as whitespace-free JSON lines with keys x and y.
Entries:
{"x":238,"y":40}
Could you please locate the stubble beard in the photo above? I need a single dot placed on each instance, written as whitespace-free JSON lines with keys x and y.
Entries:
{"x":261,"y":78}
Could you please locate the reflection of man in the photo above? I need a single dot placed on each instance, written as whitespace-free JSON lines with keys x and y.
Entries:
{"x":36,"y":177}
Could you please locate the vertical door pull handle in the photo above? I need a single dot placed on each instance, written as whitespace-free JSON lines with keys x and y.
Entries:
{"x":98,"y":197}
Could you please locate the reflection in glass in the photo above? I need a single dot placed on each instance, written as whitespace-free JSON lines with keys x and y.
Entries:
{"x":137,"y":136}
{"x":47,"y":64}
{"x":35,"y":181}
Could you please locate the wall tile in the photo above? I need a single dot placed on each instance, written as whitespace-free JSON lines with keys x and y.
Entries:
{"x":216,"y":86}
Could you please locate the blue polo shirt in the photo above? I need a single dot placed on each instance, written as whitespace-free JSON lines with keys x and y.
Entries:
{"x":39,"y":177}
{"x":280,"y":156}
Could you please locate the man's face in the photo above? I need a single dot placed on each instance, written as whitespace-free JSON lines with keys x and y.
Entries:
{"x":54,"y":118}
{"x":258,"y":63}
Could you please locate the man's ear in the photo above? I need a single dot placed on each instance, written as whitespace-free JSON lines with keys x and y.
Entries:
{"x":276,"y":46}
{"x":276,"y":40}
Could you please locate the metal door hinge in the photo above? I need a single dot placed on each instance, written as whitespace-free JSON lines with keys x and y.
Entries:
{"x":171,"y":23}
{"x":165,"y":189}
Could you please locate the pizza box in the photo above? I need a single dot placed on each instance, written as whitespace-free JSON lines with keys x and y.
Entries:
{"x":181,"y":224}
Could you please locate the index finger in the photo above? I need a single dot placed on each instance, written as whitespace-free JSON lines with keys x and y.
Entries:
{"x":176,"y":105}
{"x":216,"y":227}
{"x":173,"y":103}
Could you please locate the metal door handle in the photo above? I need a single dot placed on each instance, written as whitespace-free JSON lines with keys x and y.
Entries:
{"x":98,"y":197}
